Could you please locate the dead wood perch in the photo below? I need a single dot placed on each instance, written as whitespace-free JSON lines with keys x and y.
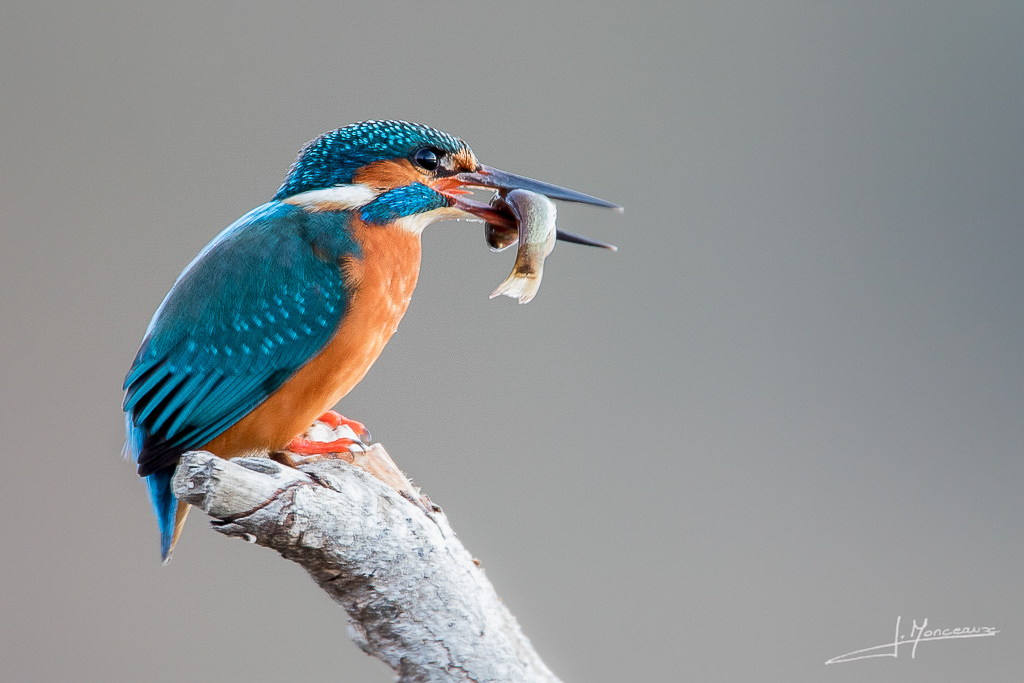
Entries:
{"x":414,"y":595}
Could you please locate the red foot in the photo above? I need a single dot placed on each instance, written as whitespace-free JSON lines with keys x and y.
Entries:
{"x":304,"y":446}
{"x":332,"y":419}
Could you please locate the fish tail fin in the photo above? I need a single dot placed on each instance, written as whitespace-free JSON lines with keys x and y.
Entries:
{"x":522,"y":287}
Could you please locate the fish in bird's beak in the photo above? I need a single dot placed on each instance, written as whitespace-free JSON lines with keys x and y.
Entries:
{"x":498,"y":214}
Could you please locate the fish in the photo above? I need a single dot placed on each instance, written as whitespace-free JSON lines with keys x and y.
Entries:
{"x":500,"y":237}
{"x":535,"y":218}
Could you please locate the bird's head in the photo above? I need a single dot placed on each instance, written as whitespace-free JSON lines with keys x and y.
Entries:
{"x":395,"y":172}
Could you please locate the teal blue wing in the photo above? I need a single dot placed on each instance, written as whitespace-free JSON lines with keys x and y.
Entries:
{"x":258,"y":303}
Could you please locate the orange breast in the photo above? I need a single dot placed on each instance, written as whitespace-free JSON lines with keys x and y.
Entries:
{"x":383,"y":282}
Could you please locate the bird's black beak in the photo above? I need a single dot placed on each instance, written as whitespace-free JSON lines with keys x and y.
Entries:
{"x":494,"y":179}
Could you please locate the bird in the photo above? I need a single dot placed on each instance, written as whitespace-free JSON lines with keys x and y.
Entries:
{"x":284,"y":311}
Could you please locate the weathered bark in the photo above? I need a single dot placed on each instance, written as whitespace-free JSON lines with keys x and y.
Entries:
{"x":415,"y":597}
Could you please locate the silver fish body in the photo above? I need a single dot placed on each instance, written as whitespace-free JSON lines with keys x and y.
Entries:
{"x":535,"y":216}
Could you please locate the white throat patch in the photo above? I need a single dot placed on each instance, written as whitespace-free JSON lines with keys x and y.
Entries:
{"x":417,"y":221}
{"x":337,"y":198}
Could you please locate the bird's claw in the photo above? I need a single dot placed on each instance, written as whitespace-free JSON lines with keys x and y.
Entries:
{"x":334,"y":419}
{"x":331,"y":433}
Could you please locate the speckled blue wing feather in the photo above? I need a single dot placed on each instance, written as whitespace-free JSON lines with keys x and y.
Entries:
{"x":258,"y":303}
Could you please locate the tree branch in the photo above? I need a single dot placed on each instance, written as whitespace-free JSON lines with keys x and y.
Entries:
{"x":414,"y":595}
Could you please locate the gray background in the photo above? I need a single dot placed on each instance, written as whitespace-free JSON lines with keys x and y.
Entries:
{"x":785,"y":413}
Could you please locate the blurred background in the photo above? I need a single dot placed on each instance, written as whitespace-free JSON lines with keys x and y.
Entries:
{"x":785,"y":413}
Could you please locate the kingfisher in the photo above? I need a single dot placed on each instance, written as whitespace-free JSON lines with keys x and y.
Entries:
{"x":284,"y":312}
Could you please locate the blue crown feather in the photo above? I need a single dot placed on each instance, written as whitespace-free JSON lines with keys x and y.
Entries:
{"x":334,"y":157}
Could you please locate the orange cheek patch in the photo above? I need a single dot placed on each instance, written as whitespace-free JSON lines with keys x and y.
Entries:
{"x":388,"y":174}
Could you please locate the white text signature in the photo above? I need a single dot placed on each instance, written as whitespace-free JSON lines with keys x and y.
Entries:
{"x":919,"y":633}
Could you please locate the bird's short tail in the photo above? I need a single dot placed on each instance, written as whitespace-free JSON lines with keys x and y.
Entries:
{"x":170,"y":514}
{"x":165,"y":505}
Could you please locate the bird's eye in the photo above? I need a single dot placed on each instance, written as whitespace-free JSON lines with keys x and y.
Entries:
{"x":426,"y":158}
